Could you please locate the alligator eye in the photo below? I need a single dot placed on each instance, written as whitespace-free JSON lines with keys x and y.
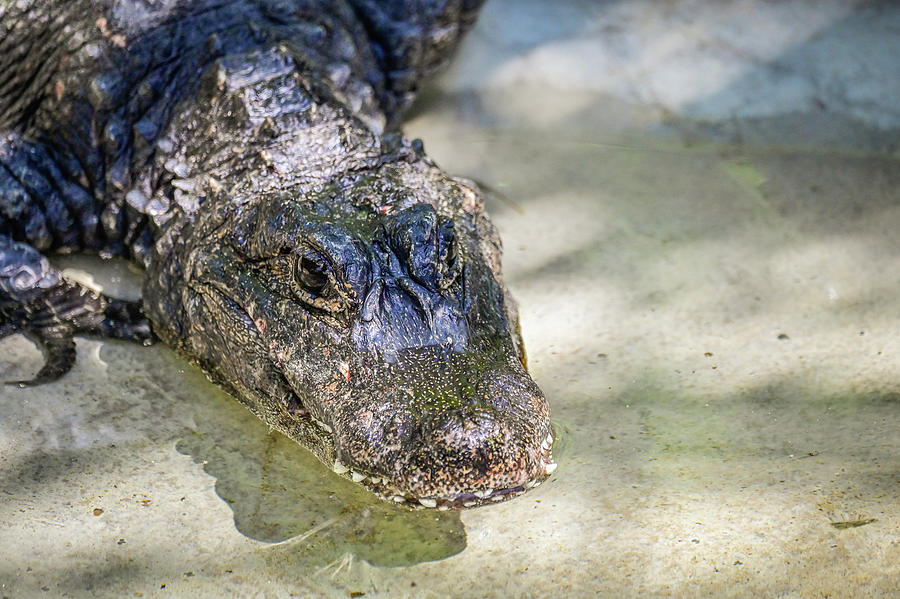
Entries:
{"x":312,"y":273}
{"x":316,"y":283}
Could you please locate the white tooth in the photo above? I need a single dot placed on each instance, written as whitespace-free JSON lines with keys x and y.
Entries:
{"x":340,"y":468}
{"x":321,"y":424}
{"x":536,"y":483}
{"x":357,"y":477}
{"x":532,"y":483}
{"x":443,"y":508}
{"x":483,"y":494}
{"x":428,"y":502}
{"x":549,"y":439}
{"x":398,"y":499}
{"x":550,"y":468}
{"x":469,"y":503}
{"x":377,"y":480}
{"x":497,"y":498}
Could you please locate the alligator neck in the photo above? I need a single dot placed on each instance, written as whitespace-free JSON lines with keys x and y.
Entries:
{"x":258,"y":124}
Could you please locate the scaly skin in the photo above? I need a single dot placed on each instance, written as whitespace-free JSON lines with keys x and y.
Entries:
{"x":312,"y":261}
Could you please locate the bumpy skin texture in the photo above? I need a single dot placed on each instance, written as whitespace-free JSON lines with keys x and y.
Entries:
{"x":312,"y":261}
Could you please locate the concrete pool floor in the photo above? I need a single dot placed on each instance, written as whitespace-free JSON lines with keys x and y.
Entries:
{"x":711,"y":304}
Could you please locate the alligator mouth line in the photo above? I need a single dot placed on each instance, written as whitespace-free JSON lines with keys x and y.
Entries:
{"x":382,"y":487}
{"x":385,"y":490}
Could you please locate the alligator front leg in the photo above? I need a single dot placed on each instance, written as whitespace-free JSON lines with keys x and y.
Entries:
{"x":37,"y":301}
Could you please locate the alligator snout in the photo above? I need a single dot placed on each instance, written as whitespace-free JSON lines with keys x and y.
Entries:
{"x":444,"y":430}
{"x":473,"y":454}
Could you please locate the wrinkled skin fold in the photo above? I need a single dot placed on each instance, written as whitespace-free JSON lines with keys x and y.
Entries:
{"x":311,"y":260}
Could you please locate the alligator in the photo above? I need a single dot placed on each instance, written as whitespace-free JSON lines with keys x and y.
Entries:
{"x":311,"y":260}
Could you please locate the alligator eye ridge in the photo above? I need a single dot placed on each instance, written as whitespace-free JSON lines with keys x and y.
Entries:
{"x":449,"y":262}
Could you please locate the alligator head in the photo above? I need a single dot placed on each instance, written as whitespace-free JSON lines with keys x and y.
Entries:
{"x":367,"y":320}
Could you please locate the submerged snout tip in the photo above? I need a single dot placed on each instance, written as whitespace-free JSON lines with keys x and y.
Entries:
{"x":476,"y":452}
{"x":469,"y":437}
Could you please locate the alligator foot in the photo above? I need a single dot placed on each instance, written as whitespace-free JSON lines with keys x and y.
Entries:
{"x":96,"y":316}
{"x":37,"y":301}
{"x":59,"y":356}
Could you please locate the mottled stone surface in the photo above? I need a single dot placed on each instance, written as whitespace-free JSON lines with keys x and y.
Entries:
{"x":713,"y":320}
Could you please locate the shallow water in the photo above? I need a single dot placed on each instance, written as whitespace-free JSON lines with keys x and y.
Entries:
{"x":715,"y":332}
{"x":714,"y":324}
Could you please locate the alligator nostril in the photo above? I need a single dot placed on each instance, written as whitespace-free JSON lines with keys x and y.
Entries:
{"x":423,"y":301}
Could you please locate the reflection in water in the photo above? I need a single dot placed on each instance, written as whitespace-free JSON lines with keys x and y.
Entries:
{"x":280,"y":493}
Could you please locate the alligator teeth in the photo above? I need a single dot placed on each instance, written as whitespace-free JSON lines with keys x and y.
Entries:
{"x":469,"y":503}
{"x":483,"y":494}
{"x":428,"y":502}
{"x":547,"y":443}
{"x":165,"y":144}
{"x":443,"y":508}
{"x":531,"y":484}
{"x":356,"y":476}
{"x":340,"y":468}
{"x":398,"y":499}
{"x":498,"y":498}
{"x":550,"y":468}
{"x":321,"y":424}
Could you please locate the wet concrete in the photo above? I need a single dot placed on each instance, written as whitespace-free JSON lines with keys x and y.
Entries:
{"x":710,"y":305}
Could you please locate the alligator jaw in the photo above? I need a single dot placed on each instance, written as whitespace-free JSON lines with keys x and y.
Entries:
{"x":320,"y":438}
{"x":455,"y":431}
{"x":383,"y":488}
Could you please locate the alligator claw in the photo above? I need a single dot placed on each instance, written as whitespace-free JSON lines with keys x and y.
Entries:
{"x":125,"y":320}
{"x":59,"y":357}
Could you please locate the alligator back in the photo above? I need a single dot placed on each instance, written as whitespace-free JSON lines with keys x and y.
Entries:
{"x":88,"y":87}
